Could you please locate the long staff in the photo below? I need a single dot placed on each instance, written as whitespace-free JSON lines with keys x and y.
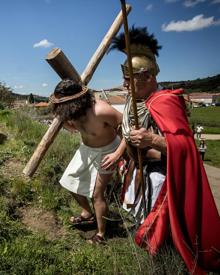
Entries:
{"x":133,"y":95}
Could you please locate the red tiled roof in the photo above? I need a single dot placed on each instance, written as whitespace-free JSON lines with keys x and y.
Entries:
{"x":41,"y":104}
{"x":202,"y":95}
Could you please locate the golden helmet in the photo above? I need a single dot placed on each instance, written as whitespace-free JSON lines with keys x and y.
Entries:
{"x":143,"y":47}
{"x":140,"y":64}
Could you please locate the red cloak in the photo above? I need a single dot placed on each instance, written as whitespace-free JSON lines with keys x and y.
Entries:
{"x":185,"y":205}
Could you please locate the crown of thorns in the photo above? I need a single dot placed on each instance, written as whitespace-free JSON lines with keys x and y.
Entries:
{"x":60,"y":98}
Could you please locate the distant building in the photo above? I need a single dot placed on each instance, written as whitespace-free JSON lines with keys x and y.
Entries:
{"x":115,"y":98}
{"x":19,"y":103}
{"x":203,"y":98}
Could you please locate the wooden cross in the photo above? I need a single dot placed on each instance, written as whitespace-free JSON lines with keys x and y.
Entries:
{"x":60,"y":63}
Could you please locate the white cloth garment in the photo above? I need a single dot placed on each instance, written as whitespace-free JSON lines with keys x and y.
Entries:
{"x":80,"y":175}
{"x":136,"y":208}
{"x":131,"y":203}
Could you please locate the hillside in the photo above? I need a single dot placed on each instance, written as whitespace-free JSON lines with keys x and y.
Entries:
{"x":208,"y":84}
{"x":36,"y":236}
{"x":7,"y":96}
{"x":37,"y":98}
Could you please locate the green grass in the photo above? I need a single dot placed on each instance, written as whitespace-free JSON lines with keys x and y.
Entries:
{"x":209,"y":118}
{"x":211,"y":130}
{"x":212,"y":155}
{"x":206,"y":116}
{"x":25,"y":251}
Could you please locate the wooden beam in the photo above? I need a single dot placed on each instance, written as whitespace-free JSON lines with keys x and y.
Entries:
{"x":101,"y":50}
{"x":61,"y":65}
{"x":64,"y":68}
{"x":42,"y":147}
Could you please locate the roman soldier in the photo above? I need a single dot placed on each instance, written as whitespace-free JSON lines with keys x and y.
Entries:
{"x":181,"y":204}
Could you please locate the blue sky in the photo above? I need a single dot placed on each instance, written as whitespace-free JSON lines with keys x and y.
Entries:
{"x":189,"y":32}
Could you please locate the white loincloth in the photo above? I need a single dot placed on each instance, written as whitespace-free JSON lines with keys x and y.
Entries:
{"x":80,"y":175}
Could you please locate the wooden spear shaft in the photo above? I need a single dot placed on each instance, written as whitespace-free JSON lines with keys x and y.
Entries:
{"x":133,"y":95}
{"x":64,"y":68}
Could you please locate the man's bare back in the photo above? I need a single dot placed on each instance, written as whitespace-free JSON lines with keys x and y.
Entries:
{"x":98,"y":126}
{"x":88,"y":176}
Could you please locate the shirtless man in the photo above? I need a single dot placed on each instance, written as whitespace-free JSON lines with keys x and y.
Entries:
{"x":92,"y":166}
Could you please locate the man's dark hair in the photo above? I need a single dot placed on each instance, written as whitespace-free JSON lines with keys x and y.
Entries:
{"x":75,"y":108}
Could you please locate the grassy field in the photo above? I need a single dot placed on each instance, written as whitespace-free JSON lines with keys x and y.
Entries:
{"x":212,"y":155}
{"x":35,"y":235}
{"x":208,"y":117}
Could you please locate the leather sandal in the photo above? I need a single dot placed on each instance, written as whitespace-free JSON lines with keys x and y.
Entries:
{"x":82,"y":220}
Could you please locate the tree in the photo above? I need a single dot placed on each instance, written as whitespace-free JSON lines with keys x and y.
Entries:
{"x":31,"y":98}
{"x":6,"y":96}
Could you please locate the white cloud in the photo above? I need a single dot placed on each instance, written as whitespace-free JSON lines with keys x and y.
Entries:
{"x":44,"y":84}
{"x":196,"y":23}
{"x":192,"y":3}
{"x":216,"y":2}
{"x":18,"y":87}
{"x":43,"y":44}
{"x":149,"y":7}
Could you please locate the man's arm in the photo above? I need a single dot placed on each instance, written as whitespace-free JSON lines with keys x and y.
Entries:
{"x":111,"y":159}
{"x":143,"y":138}
{"x":113,"y":118}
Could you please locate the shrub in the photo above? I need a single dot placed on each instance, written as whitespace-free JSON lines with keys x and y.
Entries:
{"x":6,"y":97}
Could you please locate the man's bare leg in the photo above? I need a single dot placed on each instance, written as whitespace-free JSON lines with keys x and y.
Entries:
{"x":99,"y":202}
{"x":83,"y":202}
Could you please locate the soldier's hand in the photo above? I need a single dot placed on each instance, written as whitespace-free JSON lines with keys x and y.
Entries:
{"x":141,"y":138}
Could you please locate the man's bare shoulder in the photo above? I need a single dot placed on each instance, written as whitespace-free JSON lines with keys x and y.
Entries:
{"x":107,"y":113}
{"x":103,"y":108}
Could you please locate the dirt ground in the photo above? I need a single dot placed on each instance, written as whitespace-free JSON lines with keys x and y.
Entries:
{"x":213,"y":174}
{"x":42,"y":221}
{"x":211,"y":137}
